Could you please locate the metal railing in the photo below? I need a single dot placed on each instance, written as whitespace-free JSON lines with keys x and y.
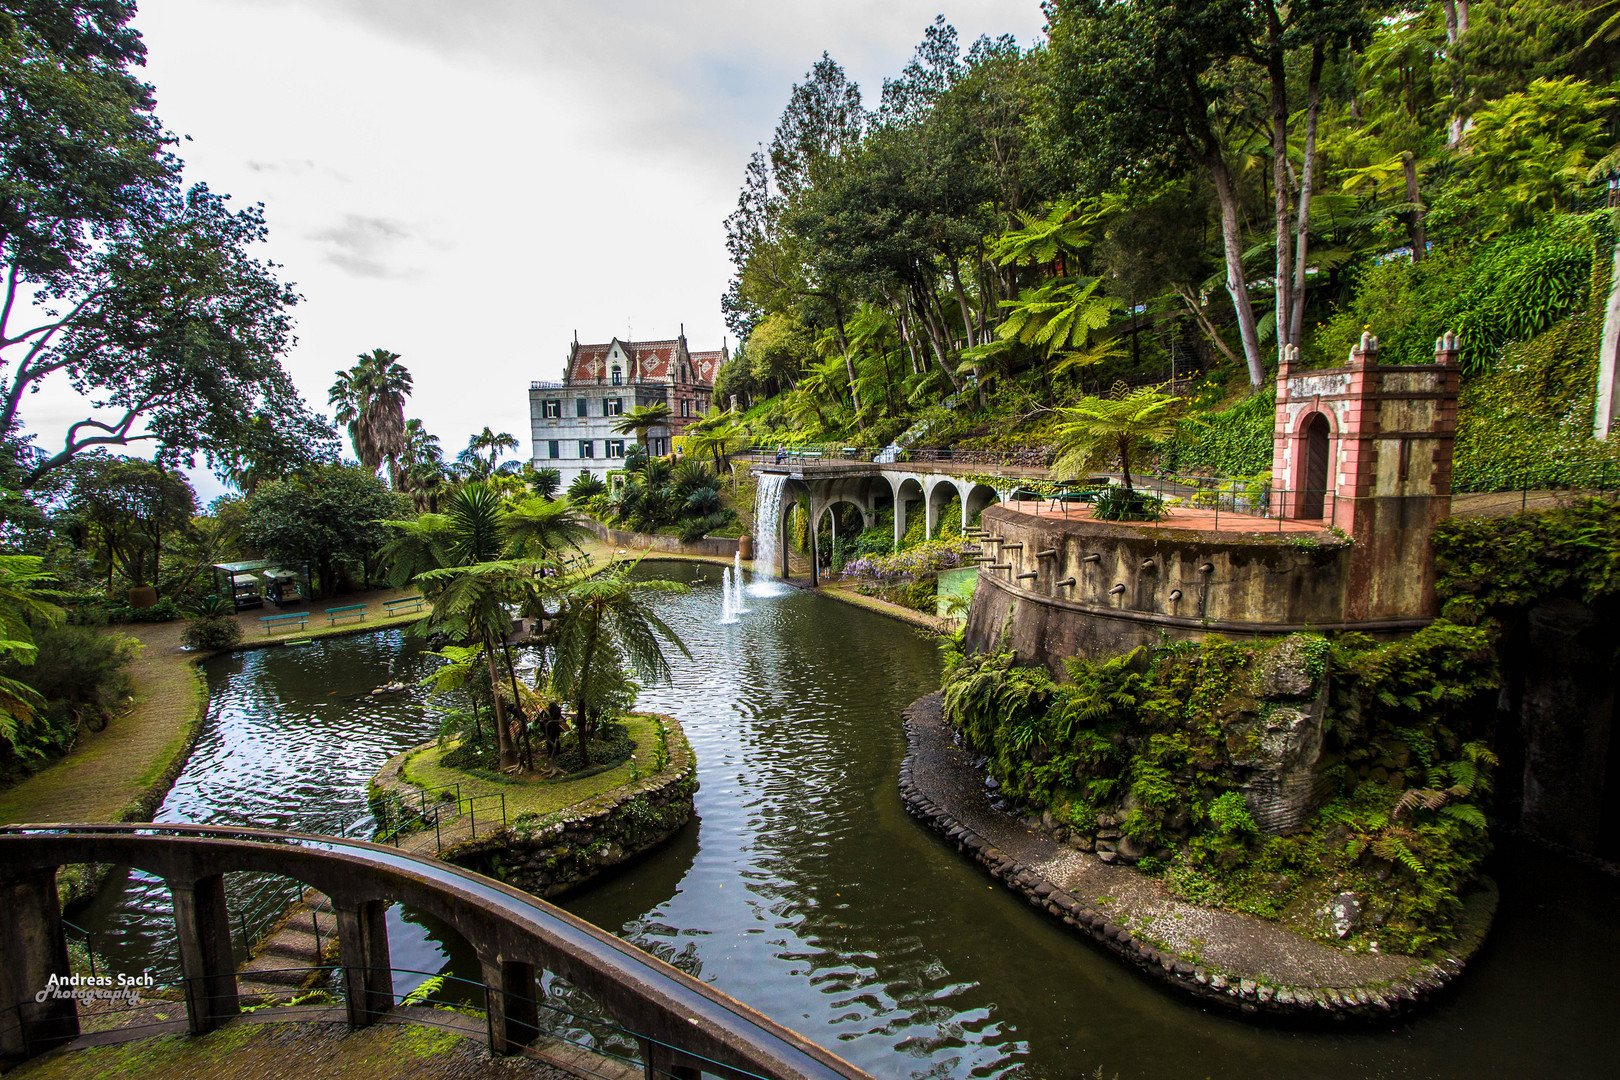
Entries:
{"x":1018,"y":458}
{"x":408,"y":820}
{"x":1160,"y":496}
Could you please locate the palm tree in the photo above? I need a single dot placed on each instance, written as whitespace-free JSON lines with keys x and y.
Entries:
{"x":370,"y":399}
{"x":605,"y":618}
{"x":642,"y":419}
{"x":422,"y":465}
{"x":718,"y":435}
{"x":474,"y":563}
{"x":491,"y":442}
{"x":1100,"y":432}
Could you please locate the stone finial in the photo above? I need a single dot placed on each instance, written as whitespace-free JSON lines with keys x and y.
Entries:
{"x":1445,"y":349}
{"x":1366,"y":352}
{"x":1290,"y":357}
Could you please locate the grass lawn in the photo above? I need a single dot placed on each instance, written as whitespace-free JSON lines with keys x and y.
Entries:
{"x":424,"y":769}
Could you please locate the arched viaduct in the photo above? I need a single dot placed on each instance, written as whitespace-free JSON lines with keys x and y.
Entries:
{"x":820,"y":487}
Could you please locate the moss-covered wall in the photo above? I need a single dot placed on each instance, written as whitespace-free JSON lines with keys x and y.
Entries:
{"x":1264,"y":776}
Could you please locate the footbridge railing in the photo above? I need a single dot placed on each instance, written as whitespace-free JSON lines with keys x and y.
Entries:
{"x":684,"y":1027}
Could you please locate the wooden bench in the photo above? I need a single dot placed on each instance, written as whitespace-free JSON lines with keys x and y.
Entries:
{"x":396,"y":607}
{"x":353,"y":611}
{"x":272,"y":623}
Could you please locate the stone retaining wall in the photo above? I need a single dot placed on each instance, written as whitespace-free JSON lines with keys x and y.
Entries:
{"x":1371,"y":1002}
{"x":724,"y":546}
{"x":564,"y":851}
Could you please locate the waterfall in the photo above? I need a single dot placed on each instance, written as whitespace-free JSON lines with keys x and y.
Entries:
{"x":767,"y":537}
{"x":738,"y":606}
{"x":768,"y":525}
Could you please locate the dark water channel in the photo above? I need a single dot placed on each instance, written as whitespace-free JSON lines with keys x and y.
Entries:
{"x":806,"y":891}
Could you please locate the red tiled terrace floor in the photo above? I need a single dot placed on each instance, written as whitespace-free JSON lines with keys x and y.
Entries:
{"x":1180,"y":517}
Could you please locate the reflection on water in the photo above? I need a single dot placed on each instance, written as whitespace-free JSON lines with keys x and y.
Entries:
{"x":805,"y":890}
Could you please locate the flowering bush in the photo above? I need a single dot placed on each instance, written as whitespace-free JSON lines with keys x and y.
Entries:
{"x":926,"y":558}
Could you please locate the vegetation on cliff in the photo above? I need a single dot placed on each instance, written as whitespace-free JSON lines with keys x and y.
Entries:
{"x":1368,"y":764}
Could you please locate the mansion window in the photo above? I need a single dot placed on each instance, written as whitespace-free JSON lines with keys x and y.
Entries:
{"x":615,"y":448}
{"x":554,"y":448}
{"x":587,"y":448}
{"x":618,"y":375}
{"x":613,"y":406}
{"x":686,"y":406}
{"x":551,"y":410}
{"x":579,"y":407}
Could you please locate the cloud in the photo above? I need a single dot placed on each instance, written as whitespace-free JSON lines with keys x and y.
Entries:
{"x":361,"y":246}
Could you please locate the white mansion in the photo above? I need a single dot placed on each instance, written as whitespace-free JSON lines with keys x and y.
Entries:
{"x":572,"y":420}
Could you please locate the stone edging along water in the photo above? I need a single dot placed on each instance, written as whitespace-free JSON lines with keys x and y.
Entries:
{"x":570,"y":847}
{"x":1268,"y":996}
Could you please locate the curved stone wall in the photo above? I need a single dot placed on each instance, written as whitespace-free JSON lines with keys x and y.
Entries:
{"x":564,"y":851}
{"x":1075,"y":586}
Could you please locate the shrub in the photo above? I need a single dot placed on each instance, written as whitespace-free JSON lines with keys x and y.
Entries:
{"x":1128,"y":504}
{"x":213,"y":632}
{"x":83,"y":675}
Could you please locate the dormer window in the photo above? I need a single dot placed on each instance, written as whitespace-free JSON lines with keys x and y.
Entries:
{"x":618,"y":375}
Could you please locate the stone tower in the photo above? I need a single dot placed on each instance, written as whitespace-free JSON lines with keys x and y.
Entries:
{"x":1367,"y":448}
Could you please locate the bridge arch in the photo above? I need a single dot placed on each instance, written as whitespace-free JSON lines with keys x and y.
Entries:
{"x":978,"y":497}
{"x":685,"y":1025}
{"x":908,"y":487}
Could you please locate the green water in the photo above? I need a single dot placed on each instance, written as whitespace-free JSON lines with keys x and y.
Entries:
{"x":805,"y":890}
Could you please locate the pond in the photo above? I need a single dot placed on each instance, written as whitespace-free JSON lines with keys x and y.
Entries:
{"x":805,"y":890}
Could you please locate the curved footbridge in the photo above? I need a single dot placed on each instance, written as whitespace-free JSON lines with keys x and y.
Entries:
{"x":685,"y":1027}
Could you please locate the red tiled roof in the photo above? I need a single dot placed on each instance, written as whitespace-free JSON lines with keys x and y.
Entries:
{"x":654,"y":361}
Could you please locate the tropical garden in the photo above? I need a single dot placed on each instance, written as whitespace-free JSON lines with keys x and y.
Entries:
{"x":1157,"y":199}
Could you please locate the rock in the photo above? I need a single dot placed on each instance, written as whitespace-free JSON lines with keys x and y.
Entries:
{"x":1131,"y":850}
{"x":1108,"y":834}
{"x":1107,"y":856}
{"x":1082,"y":843}
{"x":1107,"y":846}
{"x":1060,"y":834}
{"x":1292,"y":670}
{"x":1342,"y":913}
{"x":1048,"y":822}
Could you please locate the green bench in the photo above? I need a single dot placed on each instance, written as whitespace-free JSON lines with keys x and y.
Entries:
{"x":272,"y":623}
{"x":353,"y":611}
{"x":403,"y":605}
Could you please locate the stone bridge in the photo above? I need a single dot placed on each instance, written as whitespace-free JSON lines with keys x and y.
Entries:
{"x":820,"y":484}
{"x":685,"y":1026}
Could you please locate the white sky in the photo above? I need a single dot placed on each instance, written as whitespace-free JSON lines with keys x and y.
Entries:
{"x":467,"y":183}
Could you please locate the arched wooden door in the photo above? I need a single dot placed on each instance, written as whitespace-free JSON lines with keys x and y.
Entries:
{"x":1312,"y":497}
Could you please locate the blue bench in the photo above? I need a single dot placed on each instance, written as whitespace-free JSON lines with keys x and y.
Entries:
{"x":272,"y":623}
{"x":396,"y":607}
{"x":353,"y":611}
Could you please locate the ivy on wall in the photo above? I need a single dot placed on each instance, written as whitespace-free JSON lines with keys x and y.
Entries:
{"x":1487,"y":566}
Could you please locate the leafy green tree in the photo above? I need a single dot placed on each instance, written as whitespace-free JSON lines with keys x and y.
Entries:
{"x":421,"y":466}
{"x":329,"y":516}
{"x":586,"y":485}
{"x":1529,"y":156}
{"x":370,"y":399}
{"x":124,"y":508}
{"x":1100,"y":433}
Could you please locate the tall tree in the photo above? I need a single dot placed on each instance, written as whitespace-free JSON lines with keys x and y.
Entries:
{"x":143,"y":294}
{"x":370,"y":399}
